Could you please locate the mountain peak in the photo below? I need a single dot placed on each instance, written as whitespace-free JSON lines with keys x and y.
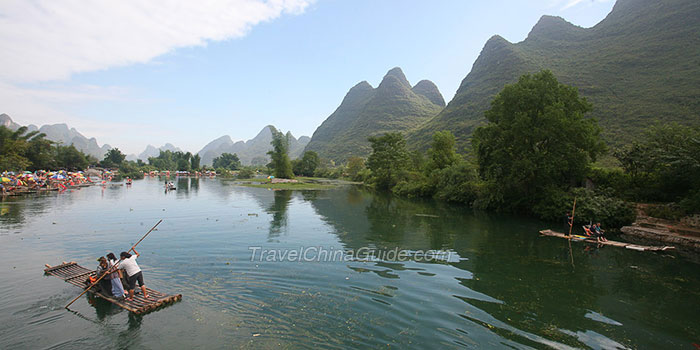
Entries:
{"x":396,"y":73}
{"x":428,"y":89}
{"x":496,"y":41}
{"x":553,"y":28}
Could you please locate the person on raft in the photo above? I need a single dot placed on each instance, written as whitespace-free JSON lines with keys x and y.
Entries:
{"x":105,"y":283}
{"x":599,"y":233}
{"x":115,"y":276}
{"x":569,"y":221}
{"x":133,"y":273}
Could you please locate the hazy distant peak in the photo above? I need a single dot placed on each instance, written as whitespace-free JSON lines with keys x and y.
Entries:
{"x":304,"y":139}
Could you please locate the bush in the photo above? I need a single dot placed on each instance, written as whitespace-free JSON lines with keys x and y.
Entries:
{"x":456,"y":183}
{"x":414,"y":185}
{"x":615,"y":179}
{"x":601,"y":206}
{"x":246,"y":173}
{"x":691,"y":203}
{"x":665,"y":211}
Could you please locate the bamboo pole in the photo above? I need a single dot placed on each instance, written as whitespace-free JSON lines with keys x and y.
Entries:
{"x":571,"y":226}
{"x":115,"y":265}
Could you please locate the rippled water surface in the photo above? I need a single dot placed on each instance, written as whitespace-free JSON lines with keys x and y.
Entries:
{"x":498,"y":284}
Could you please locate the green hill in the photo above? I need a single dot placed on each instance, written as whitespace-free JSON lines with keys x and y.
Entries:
{"x":365,"y":111}
{"x":638,"y":67}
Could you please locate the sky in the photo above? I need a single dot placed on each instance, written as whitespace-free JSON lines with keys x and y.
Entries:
{"x":137,"y":72}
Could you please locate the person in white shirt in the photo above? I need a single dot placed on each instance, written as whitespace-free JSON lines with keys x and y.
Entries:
{"x":133,"y":273}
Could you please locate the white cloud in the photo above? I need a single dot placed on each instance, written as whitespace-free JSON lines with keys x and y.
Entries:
{"x":53,"y":39}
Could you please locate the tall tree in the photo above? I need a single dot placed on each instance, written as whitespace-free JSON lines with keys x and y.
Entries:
{"x":69,"y":157}
{"x":355,"y":166}
{"x":389,"y":159}
{"x":309,"y":163}
{"x":195,"y":160}
{"x":113,"y":157}
{"x":279,"y":155}
{"x":537,"y":138}
{"x":227,"y":161}
{"x":442,"y":153}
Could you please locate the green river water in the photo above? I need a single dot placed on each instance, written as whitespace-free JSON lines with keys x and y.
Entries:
{"x":493,"y":282}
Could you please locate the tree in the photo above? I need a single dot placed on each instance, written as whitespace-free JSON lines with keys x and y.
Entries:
{"x":442,"y":153}
{"x":69,"y":157}
{"x":355,"y":166}
{"x":195,"y":160}
{"x":664,"y":165}
{"x":279,"y":155}
{"x":308,"y":163}
{"x":389,"y":159}
{"x":113,"y":157}
{"x":227,"y":161}
{"x":537,"y":137}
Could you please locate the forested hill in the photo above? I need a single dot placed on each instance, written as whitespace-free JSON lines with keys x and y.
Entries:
{"x":365,"y":111}
{"x":638,"y":67}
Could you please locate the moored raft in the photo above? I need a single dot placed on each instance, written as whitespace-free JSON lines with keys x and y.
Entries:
{"x":592,"y":240}
{"x":76,"y":275}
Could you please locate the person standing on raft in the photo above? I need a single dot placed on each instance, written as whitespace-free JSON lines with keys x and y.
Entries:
{"x":133,"y":273}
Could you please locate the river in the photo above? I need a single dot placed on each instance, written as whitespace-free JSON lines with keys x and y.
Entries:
{"x":333,"y":269}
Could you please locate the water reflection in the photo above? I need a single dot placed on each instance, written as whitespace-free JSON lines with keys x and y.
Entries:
{"x":278,"y":210}
{"x":504,"y":286}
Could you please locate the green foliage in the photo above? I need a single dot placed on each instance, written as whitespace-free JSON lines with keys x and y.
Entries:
{"x":279,"y":155}
{"x":665,"y":164}
{"x":442,"y":154}
{"x":668,"y":211}
{"x":12,"y":149}
{"x":306,"y":166}
{"x":22,"y":150}
{"x":246,"y":173}
{"x":458,"y":182}
{"x":194,"y":161}
{"x":68,"y":157}
{"x":131,"y":169}
{"x":113,"y":158}
{"x":591,"y":206}
{"x":537,"y":136}
{"x":173,"y":161}
{"x":227,"y":161}
{"x":355,"y":168}
{"x":389,"y":159}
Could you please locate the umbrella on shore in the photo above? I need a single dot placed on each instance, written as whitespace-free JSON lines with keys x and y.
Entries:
{"x":5,"y":179}
{"x":58,"y":177}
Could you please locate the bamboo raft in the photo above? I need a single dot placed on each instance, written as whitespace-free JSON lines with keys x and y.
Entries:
{"x":592,"y":240}
{"x":76,"y":275}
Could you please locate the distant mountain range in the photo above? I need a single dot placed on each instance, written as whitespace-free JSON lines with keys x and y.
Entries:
{"x":365,"y":111}
{"x":253,"y":151}
{"x":61,"y":134}
{"x":152,"y":151}
{"x":639,"y":66}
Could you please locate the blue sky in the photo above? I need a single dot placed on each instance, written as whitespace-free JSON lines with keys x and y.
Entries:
{"x":137,"y":75}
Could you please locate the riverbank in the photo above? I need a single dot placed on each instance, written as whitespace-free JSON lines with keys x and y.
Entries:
{"x":684,"y":234}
